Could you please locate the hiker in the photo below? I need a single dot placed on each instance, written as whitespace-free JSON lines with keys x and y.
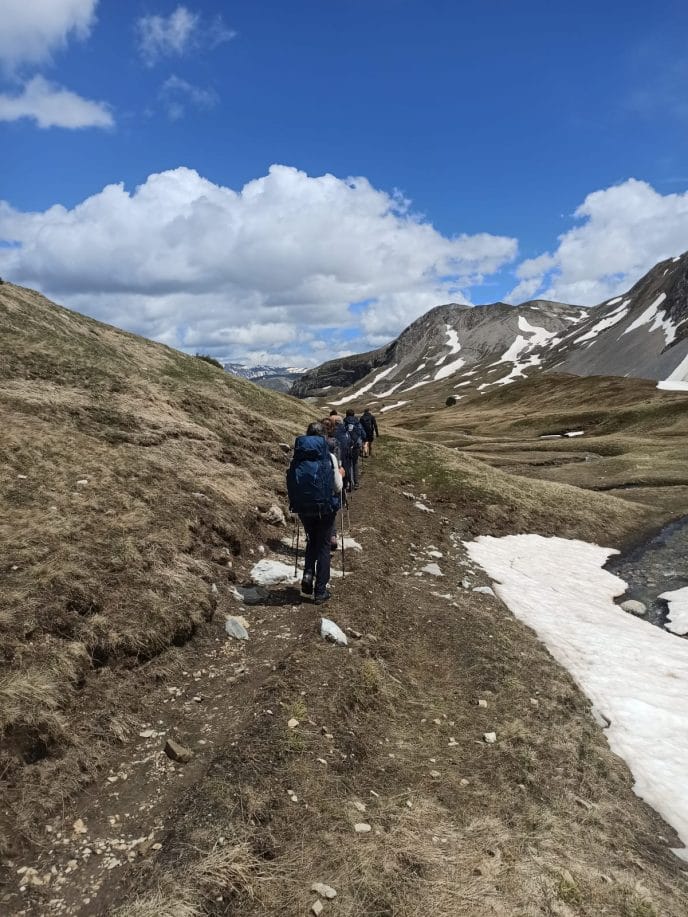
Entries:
{"x":314,"y":485}
{"x":357,"y":436}
{"x":335,"y":449}
{"x":369,"y":425}
{"x":344,"y":442}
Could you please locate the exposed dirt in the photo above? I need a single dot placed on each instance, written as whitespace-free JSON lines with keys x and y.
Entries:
{"x":390,"y":734}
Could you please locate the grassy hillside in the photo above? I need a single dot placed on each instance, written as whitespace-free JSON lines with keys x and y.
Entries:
{"x":633,"y":446}
{"x":130,"y":477}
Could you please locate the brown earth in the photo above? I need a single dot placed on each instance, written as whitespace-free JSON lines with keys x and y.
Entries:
{"x":390,"y":734}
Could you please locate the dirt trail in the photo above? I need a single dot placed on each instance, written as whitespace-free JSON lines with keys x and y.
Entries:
{"x":391,"y":734}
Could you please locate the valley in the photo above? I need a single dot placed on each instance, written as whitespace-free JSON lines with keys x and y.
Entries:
{"x":444,"y":761}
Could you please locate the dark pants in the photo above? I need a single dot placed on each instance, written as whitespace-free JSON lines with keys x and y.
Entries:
{"x":318,"y":531}
{"x":356,"y":468}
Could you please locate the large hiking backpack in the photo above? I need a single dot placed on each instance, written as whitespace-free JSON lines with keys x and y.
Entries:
{"x":368,"y":423}
{"x":310,"y":478}
{"x":356,"y":435}
{"x":344,"y":441}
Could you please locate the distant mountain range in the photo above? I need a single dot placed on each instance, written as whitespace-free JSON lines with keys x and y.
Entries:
{"x":462,"y":350}
{"x":277,"y":378}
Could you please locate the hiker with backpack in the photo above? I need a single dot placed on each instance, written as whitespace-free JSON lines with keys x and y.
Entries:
{"x":356,"y":436}
{"x":314,"y":485}
{"x":369,"y":425}
{"x":334,"y":447}
{"x":344,"y":443}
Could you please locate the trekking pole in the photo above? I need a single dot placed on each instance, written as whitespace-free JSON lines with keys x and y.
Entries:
{"x":296,"y":559}
{"x":343,"y":566}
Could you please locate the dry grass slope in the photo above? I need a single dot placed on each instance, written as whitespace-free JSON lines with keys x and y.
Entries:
{"x":129,"y":475}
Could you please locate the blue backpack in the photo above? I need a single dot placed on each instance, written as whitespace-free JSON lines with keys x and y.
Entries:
{"x":356,"y":435}
{"x":310,"y":478}
{"x":344,"y":441}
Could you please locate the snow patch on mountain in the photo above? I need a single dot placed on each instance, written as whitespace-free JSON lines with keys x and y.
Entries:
{"x":367,"y":388}
{"x":658,"y":319}
{"x":614,"y":317}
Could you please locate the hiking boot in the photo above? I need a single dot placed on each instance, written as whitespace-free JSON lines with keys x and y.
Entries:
{"x":323,"y":597}
{"x":307,"y":586}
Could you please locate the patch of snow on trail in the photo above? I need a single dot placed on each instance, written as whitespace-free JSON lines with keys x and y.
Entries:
{"x":635,"y":674}
{"x":367,"y":388}
{"x":660,"y":320}
{"x":270,"y":572}
{"x":677,"y":622}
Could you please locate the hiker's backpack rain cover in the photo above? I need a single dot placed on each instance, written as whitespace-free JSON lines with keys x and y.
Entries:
{"x":310,"y":479}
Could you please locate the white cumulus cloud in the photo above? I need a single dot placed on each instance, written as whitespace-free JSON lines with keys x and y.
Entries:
{"x":176,"y":34}
{"x":268,"y":267}
{"x":53,"y":106}
{"x":622,"y":232}
{"x":30,"y":30}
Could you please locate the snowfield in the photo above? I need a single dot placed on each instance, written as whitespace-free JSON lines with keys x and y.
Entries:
{"x":634,"y":673}
{"x":677,"y":600}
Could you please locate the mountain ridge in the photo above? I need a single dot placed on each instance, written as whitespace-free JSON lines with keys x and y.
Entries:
{"x":643,"y":333}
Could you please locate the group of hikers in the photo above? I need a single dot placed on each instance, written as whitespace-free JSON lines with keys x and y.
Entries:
{"x":325,"y":467}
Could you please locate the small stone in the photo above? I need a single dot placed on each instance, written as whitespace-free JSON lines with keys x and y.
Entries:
{"x":483,"y":590}
{"x":79,"y":827}
{"x":317,"y":907}
{"x":293,"y":723}
{"x":490,"y":737}
{"x":634,"y":607}
{"x":235,"y":628}
{"x":464,"y":782}
{"x":178,"y":752}
{"x":435,"y":774}
{"x":359,"y":806}
{"x":534,"y":702}
{"x":274,"y":516}
{"x":325,"y":891}
{"x":482,"y":702}
{"x":362,"y":828}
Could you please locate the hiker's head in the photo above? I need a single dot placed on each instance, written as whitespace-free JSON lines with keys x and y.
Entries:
{"x":334,"y":412}
{"x":328,"y":426}
{"x":315,"y":429}
{"x":350,"y":412}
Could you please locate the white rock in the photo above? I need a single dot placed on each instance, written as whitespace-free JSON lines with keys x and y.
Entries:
{"x":317,"y":908}
{"x":235,"y":628}
{"x":422,"y":507}
{"x":432,"y":569}
{"x":325,"y":891}
{"x":483,"y":590}
{"x":293,"y":723}
{"x":362,"y":828}
{"x":274,"y":516}
{"x":634,"y":607}
{"x":330,"y":631}
{"x":482,"y":702}
{"x":490,"y":737}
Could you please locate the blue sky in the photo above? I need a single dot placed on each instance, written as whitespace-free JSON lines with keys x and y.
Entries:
{"x":508,"y":150}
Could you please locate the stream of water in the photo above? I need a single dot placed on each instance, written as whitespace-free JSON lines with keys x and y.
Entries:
{"x":659,"y":565}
